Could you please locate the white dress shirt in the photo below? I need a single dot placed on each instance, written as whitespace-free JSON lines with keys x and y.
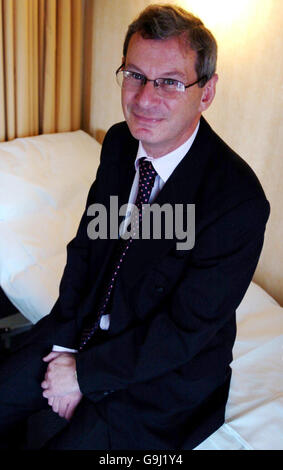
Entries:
{"x":164,"y":167}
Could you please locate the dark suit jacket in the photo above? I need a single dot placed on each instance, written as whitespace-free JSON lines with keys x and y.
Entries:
{"x":162,"y":371}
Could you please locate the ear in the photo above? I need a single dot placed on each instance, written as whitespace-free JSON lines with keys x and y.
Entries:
{"x":208,"y":93}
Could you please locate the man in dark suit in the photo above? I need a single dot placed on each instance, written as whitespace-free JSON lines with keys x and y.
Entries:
{"x":154,"y":371}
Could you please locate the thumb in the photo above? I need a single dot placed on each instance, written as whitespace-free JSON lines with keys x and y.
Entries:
{"x":52,"y":355}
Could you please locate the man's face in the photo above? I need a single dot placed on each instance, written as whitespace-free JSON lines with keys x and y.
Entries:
{"x":163,"y":124}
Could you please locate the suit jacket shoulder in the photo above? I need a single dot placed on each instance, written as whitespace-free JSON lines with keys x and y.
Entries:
{"x":210,"y":158}
{"x":226,"y":167}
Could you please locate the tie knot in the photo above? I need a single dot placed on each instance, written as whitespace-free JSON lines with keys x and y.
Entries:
{"x":147,"y":171}
{"x":146,"y":181}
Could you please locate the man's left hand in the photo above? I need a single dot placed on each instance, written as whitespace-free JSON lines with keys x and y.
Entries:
{"x":66,"y":405}
{"x":60,"y":377}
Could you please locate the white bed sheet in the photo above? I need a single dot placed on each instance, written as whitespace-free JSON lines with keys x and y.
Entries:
{"x":44,"y":182}
{"x":254,"y":413}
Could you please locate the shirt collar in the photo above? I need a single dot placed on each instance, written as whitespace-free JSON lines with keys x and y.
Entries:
{"x":165,"y":165}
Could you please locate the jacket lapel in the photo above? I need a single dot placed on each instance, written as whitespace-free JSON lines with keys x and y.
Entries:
{"x":127,"y":171}
{"x":181,"y":188}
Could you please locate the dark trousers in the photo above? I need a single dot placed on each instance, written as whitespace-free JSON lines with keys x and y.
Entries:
{"x":26,"y":420}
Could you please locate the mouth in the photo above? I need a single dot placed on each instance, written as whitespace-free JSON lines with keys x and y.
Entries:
{"x":145,"y":119}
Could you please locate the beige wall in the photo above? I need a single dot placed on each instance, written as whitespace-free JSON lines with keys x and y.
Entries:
{"x":247,"y":111}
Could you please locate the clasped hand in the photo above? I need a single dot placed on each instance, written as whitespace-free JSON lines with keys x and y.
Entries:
{"x":60,"y":383}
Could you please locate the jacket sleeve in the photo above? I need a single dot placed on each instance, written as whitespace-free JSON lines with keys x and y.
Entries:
{"x":62,"y":320}
{"x":74,"y":279}
{"x":221,"y":267}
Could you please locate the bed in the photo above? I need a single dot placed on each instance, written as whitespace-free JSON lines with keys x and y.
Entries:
{"x":44,"y":181}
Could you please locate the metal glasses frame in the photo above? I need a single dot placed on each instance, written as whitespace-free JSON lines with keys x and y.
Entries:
{"x":155,"y":81}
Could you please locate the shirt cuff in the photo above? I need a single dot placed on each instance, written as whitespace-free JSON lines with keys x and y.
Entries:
{"x":57,"y":348}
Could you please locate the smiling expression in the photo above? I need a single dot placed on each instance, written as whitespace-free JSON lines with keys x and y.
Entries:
{"x":163,"y":124}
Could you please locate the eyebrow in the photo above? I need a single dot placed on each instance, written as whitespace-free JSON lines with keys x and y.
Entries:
{"x":171,"y":73}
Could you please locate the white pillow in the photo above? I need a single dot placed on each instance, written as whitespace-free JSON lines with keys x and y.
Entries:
{"x":44,"y":182}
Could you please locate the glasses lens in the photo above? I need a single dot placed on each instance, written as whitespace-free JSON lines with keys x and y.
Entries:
{"x":129,"y":80}
{"x":120,"y":78}
{"x":165,"y":87}
{"x":169,"y":86}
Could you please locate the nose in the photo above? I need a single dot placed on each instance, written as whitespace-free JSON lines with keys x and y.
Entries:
{"x":147,"y":95}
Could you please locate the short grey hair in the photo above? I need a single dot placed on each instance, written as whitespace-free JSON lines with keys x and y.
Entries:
{"x":166,"y":21}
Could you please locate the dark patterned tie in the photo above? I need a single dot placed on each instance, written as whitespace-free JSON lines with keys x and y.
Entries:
{"x":146,"y":181}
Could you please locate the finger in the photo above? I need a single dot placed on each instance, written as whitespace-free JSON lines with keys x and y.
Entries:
{"x":55,"y":405}
{"x":63,"y":405}
{"x":44,"y":384}
{"x":52,"y":355}
{"x":47,"y":394}
{"x":50,"y":401}
{"x":72,"y":406}
{"x":69,"y":412}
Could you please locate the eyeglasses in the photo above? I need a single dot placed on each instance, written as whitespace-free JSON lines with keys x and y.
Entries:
{"x":166,"y":87}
